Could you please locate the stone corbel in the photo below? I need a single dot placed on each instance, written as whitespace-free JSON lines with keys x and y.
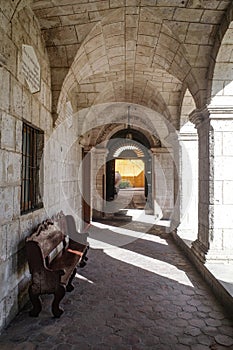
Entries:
{"x":198,"y":116}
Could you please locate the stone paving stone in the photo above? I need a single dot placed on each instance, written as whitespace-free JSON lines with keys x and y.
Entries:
{"x":199,"y":347}
{"x":204,"y":339}
{"x":181,"y":347}
{"x":224,"y":340}
{"x":121,"y":304}
{"x":212,"y":322}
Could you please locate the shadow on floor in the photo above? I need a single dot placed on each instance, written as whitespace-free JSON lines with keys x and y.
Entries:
{"x":143,"y":295}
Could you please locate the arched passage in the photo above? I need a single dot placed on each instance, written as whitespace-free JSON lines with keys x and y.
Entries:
{"x":129,"y":145}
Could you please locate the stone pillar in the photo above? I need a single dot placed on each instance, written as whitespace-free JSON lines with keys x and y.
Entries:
{"x":188,"y":184}
{"x":215,"y":130}
{"x":163,"y":193}
{"x":98,"y":160}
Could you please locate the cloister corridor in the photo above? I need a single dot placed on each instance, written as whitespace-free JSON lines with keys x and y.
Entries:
{"x":116,"y":145}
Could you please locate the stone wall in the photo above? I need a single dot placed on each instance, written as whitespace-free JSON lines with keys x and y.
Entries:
{"x":62,"y":159}
{"x":17,"y":27}
{"x":164,"y":182}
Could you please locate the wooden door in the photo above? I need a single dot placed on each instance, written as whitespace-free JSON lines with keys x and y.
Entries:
{"x":110,"y":179}
{"x":86,"y":184}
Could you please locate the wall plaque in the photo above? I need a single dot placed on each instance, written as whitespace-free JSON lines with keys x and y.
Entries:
{"x":31,"y":68}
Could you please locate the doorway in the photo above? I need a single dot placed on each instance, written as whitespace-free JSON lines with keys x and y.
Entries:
{"x":128,"y":175}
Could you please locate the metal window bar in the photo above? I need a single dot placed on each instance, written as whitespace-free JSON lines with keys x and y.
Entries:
{"x":32,"y":149}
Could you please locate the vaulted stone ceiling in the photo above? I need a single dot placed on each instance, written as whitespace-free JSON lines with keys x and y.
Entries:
{"x":141,"y":51}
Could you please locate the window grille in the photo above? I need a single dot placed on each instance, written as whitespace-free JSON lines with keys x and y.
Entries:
{"x":32,"y":150}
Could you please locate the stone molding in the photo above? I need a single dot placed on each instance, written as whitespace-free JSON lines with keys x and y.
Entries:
{"x":199,"y":116}
{"x":220,"y":112}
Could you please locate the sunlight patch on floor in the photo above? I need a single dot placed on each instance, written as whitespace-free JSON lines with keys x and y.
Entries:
{"x":141,"y":216}
{"x":158,"y":267}
{"x":130,"y":233}
{"x":80,"y":277}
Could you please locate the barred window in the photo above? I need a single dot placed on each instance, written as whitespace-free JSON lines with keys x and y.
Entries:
{"x":32,"y":150}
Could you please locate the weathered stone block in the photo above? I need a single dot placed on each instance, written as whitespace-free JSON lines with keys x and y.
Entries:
{"x":50,"y":22}
{"x":26,"y":105}
{"x":36,"y":112}
{"x":58,"y":56}
{"x":211,"y":17}
{"x":3,"y":245}
{"x":132,"y":20}
{"x":11,"y":304}
{"x":117,"y":3}
{"x":13,"y":236}
{"x":16,"y":98}
{"x":195,"y":33}
{"x":6,"y":204}
{"x":3,"y":162}
{"x":2,"y":313}
{"x":18,"y":136}
{"x":13,"y":168}
{"x":8,"y":132}
{"x":5,"y":89}
{"x":61,"y":36}
{"x":77,"y":18}
{"x":185,"y":14}
{"x":17,"y":196}
{"x":113,"y":29}
{"x":94,"y":43}
{"x":8,"y":51}
{"x":147,"y":40}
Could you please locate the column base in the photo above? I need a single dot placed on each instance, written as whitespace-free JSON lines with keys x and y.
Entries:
{"x":199,"y":250}
{"x":211,"y":255}
{"x":219,"y":256}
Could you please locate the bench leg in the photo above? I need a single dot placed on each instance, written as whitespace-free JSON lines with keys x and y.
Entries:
{"x":58,"y":295}
{"x":70,"y":286}
{"x":36,"y":302}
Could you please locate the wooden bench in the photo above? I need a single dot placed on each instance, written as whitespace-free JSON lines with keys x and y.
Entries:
{"x":53,"y":258}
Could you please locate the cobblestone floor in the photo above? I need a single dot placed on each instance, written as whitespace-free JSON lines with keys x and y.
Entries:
{"x":137,"y":296}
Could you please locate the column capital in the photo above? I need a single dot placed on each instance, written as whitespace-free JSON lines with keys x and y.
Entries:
{"x":198,"y":116}
{"x":159,"y":150}
{"x":100,"y":150}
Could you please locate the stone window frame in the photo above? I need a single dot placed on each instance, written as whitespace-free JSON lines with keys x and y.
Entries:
{"x":32,"y":151}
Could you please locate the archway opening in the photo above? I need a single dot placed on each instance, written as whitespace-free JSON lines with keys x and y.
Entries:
{"x":129,"y":171}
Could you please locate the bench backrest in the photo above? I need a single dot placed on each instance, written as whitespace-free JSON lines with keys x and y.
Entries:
{"x":44,"y":245}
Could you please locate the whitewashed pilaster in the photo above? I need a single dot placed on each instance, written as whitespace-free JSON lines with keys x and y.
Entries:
{"x":188,"y":184}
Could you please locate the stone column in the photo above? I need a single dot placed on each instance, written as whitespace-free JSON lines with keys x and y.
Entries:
{"x":163,"y":193}
{"x":188,"y":184}
{"x":215,"y":130}
{"x":99,"y":157}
